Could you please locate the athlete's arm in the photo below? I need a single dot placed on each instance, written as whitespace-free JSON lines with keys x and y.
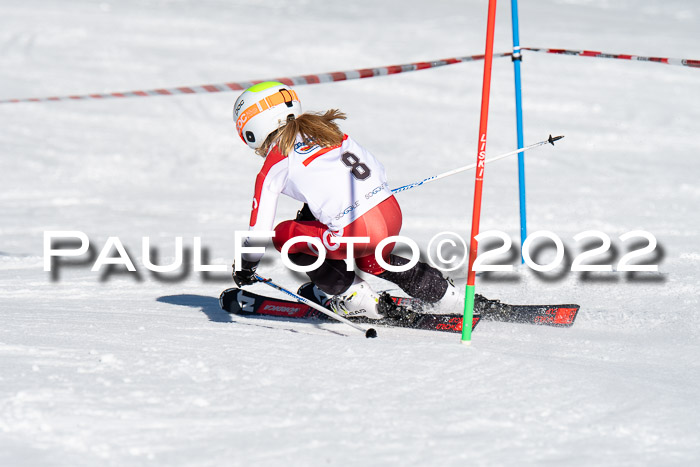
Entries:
{"x":268,"y":186}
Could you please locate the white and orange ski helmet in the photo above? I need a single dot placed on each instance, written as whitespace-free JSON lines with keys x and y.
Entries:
{"x":262,"y":109}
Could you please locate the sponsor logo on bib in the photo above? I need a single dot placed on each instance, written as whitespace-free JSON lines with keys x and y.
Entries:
{"x":301,"y":148}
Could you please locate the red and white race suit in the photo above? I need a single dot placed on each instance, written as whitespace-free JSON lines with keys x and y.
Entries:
{"x":345,"y":187}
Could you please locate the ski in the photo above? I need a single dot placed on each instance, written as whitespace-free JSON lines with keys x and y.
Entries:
{"x":494,"y":310}
{"x":547,"y":315}
{"x":488,"y":310}
{"x":412,"y":313}
{"x":242,"y":302}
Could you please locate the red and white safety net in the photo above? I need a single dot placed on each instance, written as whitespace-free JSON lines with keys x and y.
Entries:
{"x":290,"y":81}
{"x":641,"y":58}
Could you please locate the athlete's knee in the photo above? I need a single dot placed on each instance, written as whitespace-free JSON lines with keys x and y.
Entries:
{"x":283,"y":232}
{"x":369,"y":265}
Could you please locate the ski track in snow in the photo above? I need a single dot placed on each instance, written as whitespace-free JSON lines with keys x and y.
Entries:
{"x":122,"y":369}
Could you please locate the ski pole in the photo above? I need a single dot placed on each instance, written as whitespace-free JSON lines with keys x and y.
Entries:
{"x":549,"y":140}
{"x":369,"y":332}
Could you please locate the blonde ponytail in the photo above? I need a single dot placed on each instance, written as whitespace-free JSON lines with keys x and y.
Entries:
{"x":314,"y":128}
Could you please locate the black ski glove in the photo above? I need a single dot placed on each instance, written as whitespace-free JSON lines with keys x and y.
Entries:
{"x":246,"y":275}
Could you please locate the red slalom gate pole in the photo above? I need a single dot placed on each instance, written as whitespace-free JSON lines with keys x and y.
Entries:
{"x":479,"y":177}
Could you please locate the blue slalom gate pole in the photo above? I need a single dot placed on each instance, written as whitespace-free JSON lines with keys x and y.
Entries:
{"x":517,"y":58}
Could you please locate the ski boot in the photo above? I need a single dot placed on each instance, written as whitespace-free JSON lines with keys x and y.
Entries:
{"x":358,"y":300}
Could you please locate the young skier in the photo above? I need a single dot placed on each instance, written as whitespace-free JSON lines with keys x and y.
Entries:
{"x":345,"y":194}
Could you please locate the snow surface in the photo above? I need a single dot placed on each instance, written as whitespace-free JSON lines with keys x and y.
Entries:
{"x":125,"y":369}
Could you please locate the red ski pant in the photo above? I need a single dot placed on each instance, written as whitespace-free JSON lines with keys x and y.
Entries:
{"x":380,"y":222}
